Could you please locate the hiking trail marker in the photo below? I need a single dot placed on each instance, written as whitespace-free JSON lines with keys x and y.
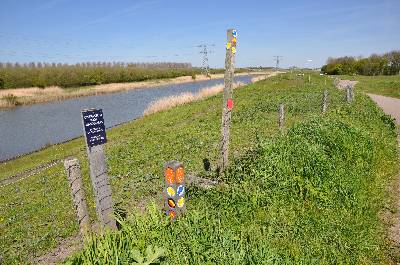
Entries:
{"x":95,"y":135}
{"x":227,"y":105}
{"x":175,"y":189}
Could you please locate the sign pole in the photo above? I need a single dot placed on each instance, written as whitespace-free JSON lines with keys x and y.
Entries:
{"x":95,"y":134}
{"x":228,"y":96}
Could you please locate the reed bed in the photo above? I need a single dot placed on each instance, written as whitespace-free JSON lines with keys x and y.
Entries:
{"x":169,"y":102}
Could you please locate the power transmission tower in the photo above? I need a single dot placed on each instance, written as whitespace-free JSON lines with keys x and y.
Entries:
{"x":277,"y":59}
{"x":205,"y":68}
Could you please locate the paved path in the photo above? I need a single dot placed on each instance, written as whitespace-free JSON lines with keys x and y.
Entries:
{"x":389,"y":105}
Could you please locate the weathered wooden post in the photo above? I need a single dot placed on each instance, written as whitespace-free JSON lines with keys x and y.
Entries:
{"x":95,"y":134}
{"x":325,"y":101}
{"x":174,"y":191}
{"x":349,"y":93}
{"x":352,"y":93}
{"x":228,"y":96}
{"x":281,"y":116}
{"x":74,"y":176}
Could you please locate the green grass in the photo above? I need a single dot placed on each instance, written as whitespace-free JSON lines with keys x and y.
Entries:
{"x":136,"y":154}
{"x":381,"y":85}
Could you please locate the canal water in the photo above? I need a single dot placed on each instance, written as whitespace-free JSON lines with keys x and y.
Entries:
{"x":29,"y":128}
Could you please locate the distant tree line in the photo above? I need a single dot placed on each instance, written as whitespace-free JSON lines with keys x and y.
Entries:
{"x":385,"y":64}
{"x":37,"y":74}
{"x":97,"y":64}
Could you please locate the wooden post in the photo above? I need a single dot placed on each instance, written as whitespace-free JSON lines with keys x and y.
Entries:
{"x":174,"y":191}
{"x":352,"y":93}
{"x":228,"y":96}
{"x":74,"y":176}
{"x":281,"y":116}
{"x":93,"y":124}
{"x":325,"y":101}
{"x":349,"y":98}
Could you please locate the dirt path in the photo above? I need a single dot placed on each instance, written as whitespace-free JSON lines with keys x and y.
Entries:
{"x":389,"y":105}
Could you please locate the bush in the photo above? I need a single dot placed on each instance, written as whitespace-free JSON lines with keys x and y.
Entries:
{"x":387,"y":64}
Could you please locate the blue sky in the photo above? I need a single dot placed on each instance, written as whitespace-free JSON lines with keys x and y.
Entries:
{"x":157,"y":30}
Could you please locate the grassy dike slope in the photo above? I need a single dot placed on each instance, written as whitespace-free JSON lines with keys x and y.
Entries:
{"x":285,"y":211}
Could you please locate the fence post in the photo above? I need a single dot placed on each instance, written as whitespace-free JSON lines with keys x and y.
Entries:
{"x":352,"y":93}
{"x":325,"y":101}
{"x":93,"y":124}
{"x":281,"y":116}
{"x":174,"y":191}
{"x":74,"y":176}
{"x":349,"y":93}
{"x":228,"y":93}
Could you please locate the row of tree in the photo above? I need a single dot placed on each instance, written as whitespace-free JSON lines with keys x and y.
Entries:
{"x":97,"y":64}
{"x":385,"y":64}
{"x":88,"y":74}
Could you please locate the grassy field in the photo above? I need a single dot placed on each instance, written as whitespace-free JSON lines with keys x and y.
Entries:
{"x":287,"y":197}
{"x":381,"y":85}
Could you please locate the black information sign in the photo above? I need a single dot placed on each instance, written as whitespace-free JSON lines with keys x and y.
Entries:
{"x":95,"y":130}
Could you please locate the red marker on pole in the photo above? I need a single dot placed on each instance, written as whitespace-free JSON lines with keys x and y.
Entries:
{"x":229,"y":104}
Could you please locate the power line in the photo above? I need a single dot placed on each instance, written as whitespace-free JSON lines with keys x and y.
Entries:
{"x":205,"y":67}
{"x":277,"y":59}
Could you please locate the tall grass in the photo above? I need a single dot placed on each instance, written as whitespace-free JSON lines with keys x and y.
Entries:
{"x":184,"y":98}
{"x":311,"y":195}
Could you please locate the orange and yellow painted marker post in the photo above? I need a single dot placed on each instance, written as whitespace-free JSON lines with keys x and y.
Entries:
{"x":174,"y":192}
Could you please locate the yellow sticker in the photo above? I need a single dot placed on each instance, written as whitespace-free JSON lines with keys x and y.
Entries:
{"x":234,"y":40}
{"x":181,"y":202}
{"x":171,"y":191}
{"x":228,"y":45}
{"x":233,"y":50}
